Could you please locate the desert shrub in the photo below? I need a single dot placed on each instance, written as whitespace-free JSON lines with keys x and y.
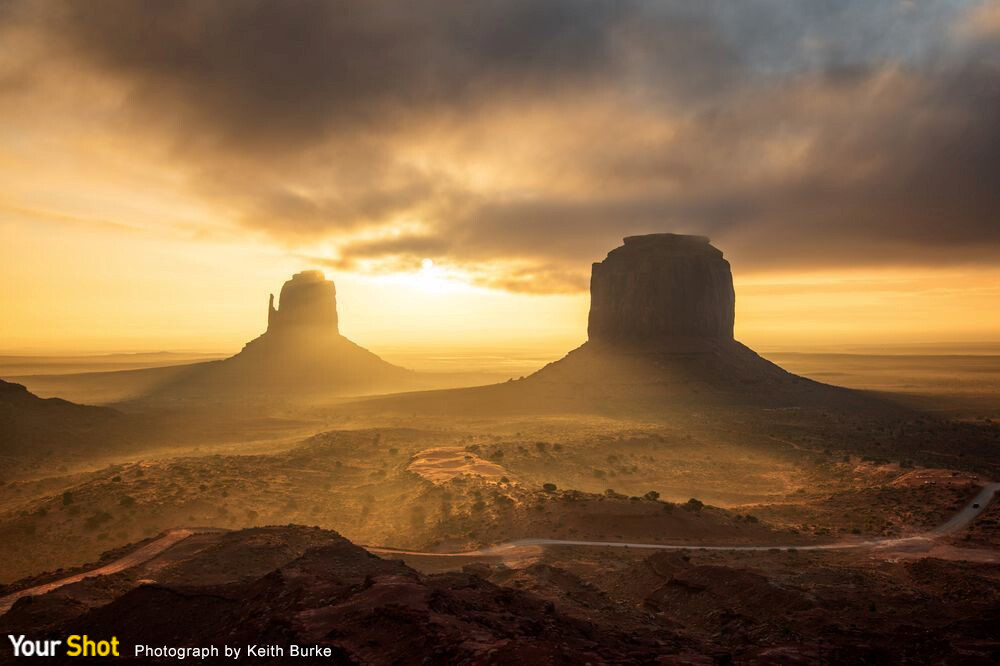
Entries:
{"x":117,"y":478}
{"x":478,"y":506}
{"x":541,"y":446}
{"x":652,"y":495}
{"x":98,"y":518}
{"x":127,"y":501}
{"x":694,"y":505}
{"x":549,"y":487}
{"x":504,"y":479}
{"x":668,"y":507}
{"x":599,"y":473}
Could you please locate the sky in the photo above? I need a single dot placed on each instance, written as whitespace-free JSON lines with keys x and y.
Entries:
{"x":457,"y":166}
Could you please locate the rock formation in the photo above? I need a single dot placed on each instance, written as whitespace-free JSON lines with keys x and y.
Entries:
{"x":660,"y":287}
{"x":297,"y":586}
{"x":662,"y":309}
{"x":308,"y":300}
{"x":301,"y":354}
{"x":32,"y":426}
{"x":660,"y":337}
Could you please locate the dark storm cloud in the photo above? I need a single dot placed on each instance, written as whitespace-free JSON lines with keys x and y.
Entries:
{"x":898,"y":168}
{"x":281,"y":74}
{"x":795,"y":133}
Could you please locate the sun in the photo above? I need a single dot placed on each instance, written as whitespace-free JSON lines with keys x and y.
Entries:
{"x":432,"y":278}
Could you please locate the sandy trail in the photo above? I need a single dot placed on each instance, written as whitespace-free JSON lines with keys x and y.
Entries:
{"x":136,"y":557}
{"x":524,"y":551}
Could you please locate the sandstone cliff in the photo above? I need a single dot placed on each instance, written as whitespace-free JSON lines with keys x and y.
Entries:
{"x":658,"y":287}
{"x":308,"y":300}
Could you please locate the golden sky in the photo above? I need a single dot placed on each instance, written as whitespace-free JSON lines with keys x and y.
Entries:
{"x":456,"y":167}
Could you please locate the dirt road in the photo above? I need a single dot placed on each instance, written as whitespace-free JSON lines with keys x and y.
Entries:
{"x":526,"y":550}
{"x":917,"y":543}
{"x":136,"y":557}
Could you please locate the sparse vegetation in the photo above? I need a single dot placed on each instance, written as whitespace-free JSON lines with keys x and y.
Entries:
{"x":694,"y":505}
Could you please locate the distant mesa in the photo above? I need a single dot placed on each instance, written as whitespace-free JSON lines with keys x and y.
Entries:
{"x":660,"y":335}
{"x":301,"y":354}
{"x":662,"y":311}
{"x":308,"y":301}
{"x":657,"y":288}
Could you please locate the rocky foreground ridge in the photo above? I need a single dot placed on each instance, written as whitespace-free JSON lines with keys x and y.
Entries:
{"x":311,"y":587}
{"x":279,"y":586}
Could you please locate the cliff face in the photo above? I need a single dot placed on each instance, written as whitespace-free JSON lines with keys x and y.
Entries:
{"x":661,"y":287}
{"x":307,"y":301}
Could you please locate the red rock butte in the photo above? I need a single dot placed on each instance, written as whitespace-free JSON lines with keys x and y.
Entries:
{"x":659,"y":287}
{"x":302,"y":353}
{"x":660,"y":335}
{"x":308,"y":300}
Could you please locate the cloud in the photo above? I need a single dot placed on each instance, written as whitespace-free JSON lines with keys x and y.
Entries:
{"x":534,"y":135}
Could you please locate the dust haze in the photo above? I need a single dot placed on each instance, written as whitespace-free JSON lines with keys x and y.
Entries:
{"x":507,"y":332}
{"x":656,"y":474}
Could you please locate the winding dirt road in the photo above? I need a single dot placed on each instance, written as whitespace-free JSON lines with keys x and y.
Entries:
{"x":136,"y":557}
{"x":960,"y":520}
{"x":522,"y":549}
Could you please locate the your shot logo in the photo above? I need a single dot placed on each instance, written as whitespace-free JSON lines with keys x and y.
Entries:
{"x":74,"y":646}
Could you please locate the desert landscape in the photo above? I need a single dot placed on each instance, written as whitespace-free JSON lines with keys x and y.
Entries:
{"x":534,"y":332}
{"x":662,"y":492}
